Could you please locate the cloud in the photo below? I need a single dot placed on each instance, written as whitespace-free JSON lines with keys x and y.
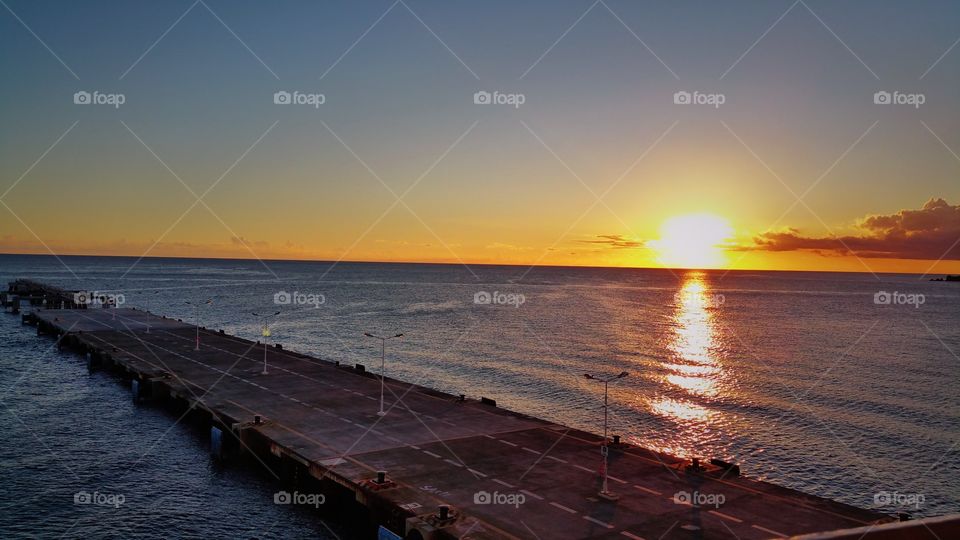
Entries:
{"x":932,"y":232}
{"x":243,"y":242}
{"x":501,"y":246}
{"x":616,"y":241}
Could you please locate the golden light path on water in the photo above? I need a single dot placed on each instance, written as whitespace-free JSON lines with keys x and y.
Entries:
{"x":693,"y":371}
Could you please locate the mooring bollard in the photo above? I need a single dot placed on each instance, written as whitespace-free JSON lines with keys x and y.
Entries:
{"x":444,"y":512}
{"x":381,"y":477}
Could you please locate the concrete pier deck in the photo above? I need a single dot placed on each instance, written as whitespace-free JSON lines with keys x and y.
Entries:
{"x":501,"y":473}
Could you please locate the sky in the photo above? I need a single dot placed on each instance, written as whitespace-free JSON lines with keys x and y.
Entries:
{"x":617,"y":133}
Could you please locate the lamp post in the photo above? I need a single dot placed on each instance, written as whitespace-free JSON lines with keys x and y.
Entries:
{"x":383,"y":359}
{"x":265,"y":333}
{"x":605,"y":450}
{"x":196,"y":316}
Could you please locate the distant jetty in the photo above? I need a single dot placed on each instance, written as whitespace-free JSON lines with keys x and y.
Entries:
{"x":947,"y":278}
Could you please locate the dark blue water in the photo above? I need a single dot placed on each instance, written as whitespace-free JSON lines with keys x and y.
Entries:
{"x":67,"y":431}
{"x":802,"y":378}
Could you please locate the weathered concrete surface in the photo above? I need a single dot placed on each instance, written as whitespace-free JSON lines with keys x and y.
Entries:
{"x":439,"y":450}
{"x":117,"y":319}
{"x":942,"y":527}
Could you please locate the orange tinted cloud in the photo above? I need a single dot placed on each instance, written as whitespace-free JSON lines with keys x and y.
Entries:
{"x":932,"y":232}
{"x":617,"y":241}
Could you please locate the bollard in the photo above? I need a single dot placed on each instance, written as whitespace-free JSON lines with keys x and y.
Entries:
{"x":381,"y":477}
{"x":444,"y":512}
{"x":257,"y":420}
{"x":616,"y":439}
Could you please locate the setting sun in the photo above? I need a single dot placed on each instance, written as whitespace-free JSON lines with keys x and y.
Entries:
{"x":693,"y":241}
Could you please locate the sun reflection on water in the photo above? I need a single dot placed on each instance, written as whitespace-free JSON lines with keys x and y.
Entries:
{"x":694,"y":373}
{"x":680,"y":410}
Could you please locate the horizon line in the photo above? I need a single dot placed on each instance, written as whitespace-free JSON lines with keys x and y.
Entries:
{"x":466,"y":264}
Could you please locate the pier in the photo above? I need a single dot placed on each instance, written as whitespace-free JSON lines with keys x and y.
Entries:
{"x":435,"y":465}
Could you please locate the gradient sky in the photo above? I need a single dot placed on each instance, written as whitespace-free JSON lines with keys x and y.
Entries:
{"x":483,"y":183}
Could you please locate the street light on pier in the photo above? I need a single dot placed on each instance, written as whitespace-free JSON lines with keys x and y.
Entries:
{"x":383,"y":356}
{"x":265,"y":333}
{"x":196,"y":316}
{"x":605,"y":493}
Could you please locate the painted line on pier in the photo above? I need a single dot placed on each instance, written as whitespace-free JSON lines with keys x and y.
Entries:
{"x":562,"y":507}
{"x":770,"y":531}
{"x":726,"y":516}
{"x":598,"y":522}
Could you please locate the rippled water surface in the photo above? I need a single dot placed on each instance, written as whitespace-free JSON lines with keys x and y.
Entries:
{"x":802,"y":378}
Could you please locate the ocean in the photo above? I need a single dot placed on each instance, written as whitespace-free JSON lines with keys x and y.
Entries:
{"x":839,"y":385}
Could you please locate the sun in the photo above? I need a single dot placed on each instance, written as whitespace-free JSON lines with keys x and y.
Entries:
{"x":693,"y":241}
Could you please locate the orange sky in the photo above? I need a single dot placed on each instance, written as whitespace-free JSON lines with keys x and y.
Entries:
{"x":701,"y":242}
